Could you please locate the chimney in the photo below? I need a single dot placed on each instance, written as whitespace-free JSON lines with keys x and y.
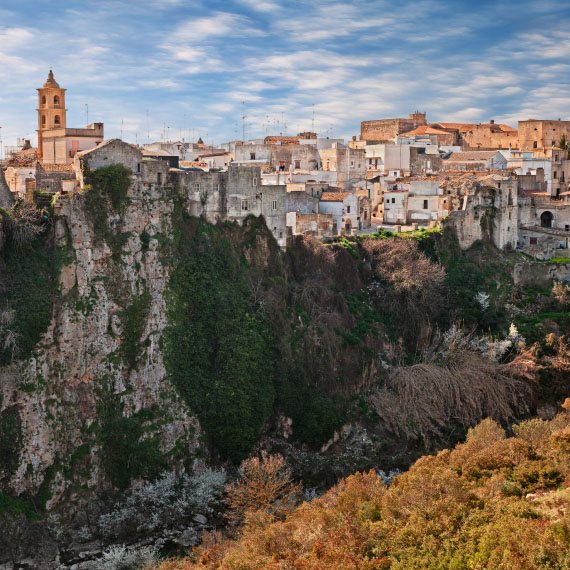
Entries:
{"x":492,"y":121}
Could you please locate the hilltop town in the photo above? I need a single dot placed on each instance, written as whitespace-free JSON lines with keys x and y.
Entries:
{"x":397,"y":174}
{"x":176,"y":317}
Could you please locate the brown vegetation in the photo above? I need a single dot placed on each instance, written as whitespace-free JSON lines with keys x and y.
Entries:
{"x":420,"y":402}
{"x":411,"y":287}
{"x":492,"y":502}
{"x":265,"y":487}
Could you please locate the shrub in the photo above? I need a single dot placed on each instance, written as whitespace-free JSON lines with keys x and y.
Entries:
{"x":266,"y":485}
{"x":433,"y":516}
{"x":127,"y":558}
{"x":169,"y":501}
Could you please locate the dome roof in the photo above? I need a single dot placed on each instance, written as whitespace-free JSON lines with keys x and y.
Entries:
{"x":50,"y":81}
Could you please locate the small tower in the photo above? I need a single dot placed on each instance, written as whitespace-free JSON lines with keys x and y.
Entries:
{"x":51,"y":109}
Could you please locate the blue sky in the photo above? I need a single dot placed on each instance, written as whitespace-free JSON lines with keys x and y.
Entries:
{"x":192,"y":68}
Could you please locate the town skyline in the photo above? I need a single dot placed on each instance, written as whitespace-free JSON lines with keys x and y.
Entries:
{"x":173,"y":69}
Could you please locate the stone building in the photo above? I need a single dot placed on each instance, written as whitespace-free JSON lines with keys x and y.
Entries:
{"x":56,"y":143}
{"x":489,"y":212}
{"x":386,"y":130}
{"x":349,"y":210}
{"x":349,"y":164}
{"x":475,"y":160}
{"x":542,"y":135}
{"x":483,"y":136}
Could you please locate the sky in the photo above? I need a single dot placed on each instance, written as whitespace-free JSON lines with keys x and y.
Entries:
{"x":172,"y":69}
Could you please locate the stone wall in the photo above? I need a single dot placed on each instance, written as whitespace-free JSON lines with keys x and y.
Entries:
{"x":6,"y":198}
{"x":537,"y":274}
{"x":384,"y":130}
{"x":540,"y":134}
{"x":489,"y":136}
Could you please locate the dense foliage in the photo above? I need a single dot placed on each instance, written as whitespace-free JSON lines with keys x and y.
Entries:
{"x":493,"y":502}
{"x":218,"y":348}
{"x":127,"y":450}
{"x":106,"y":191}
{"x":29,"y":271}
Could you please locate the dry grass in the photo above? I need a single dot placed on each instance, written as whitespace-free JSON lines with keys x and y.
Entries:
{"x":419,"y":402}
{"x":412,"y":286}
{"x":23,"y":225}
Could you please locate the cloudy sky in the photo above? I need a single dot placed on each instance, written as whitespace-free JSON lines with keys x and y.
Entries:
{"x":189,"y":68}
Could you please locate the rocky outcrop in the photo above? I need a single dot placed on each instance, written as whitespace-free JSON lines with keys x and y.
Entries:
{"x":6,"y":198}
{"x":98,"y":366}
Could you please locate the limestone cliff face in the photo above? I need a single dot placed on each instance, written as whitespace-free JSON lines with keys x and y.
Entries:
{"x":100,"y":347}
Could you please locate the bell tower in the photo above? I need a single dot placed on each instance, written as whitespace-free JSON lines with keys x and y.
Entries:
{"x":51,"y":109}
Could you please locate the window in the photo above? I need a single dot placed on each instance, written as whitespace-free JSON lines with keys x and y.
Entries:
{"x":348,"y":209}
{"x":217,"y":187}
{"x":159,"y":177}
{"x":297,"y":164}
{"x":196,"y":187}
{"x":57,"y":120}
{"x":56,"y":101}
{"x":43,"y":119}
{"x":274,"y":205}
{"x":244,"y":205}
{"x":533,"y":241}
{"x":138,"y":167}
{"x":393,"y":200}
{"x":352,"y":163}
{"x":44,"y":100}
{"x":534,"y":144}
{"x":425,"y":204}
{"x":555,"y":174}
{"x":252,"y":156}
{"x":255,"y":181}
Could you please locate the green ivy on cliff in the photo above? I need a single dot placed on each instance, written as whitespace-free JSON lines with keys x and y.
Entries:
{"x":10,"y":441}
{"x":28,"y":286}
{"x":133,"y":319}
{"x":127,"y":451}
{"x":103,"y":187}
{"x":218,"y":350}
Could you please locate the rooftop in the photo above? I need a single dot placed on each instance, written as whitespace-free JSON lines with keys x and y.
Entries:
{"x":475,"y":155}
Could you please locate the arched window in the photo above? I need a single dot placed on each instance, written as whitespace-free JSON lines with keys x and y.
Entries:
{"x":56,"y":100}
{"x":57,"y":120}
{"x":546,"y":219}
{"x":44,"y":100}
{"x":43,"y":119}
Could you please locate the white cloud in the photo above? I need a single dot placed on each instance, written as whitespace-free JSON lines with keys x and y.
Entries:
{"x":221,"y":24}
{"x":261,"y":5}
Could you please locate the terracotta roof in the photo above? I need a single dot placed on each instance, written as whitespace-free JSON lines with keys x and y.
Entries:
{"x":155,"y":152}
{"x":425,"y":130}
{"x":334,"y":196}
{"x":272,"y":139}
{"x":475,"y":155}
{"x":470,"y":126}
{"x":213,"y":153}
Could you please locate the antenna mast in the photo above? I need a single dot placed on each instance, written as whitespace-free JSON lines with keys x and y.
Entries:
{"x":313,"y":122}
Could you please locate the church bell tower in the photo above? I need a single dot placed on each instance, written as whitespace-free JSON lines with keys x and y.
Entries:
{"x":51,"y":109}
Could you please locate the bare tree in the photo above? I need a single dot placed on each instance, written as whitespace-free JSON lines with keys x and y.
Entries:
{"x":266,"y":485}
